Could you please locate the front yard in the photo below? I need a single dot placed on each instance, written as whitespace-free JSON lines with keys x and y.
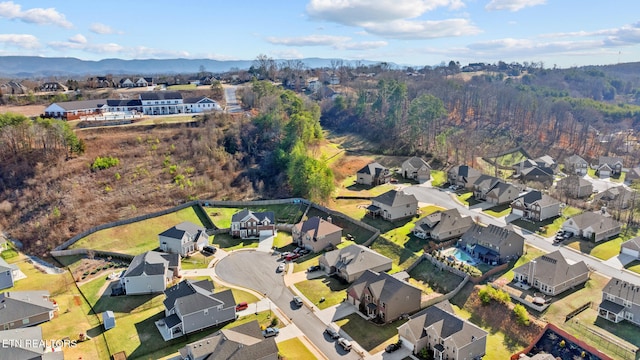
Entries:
{"x":603,"y":250}
{"x":370,"y":336}
{"x":294,"y":349}
{"x":551,"y":225}
{"x":330,"y":288}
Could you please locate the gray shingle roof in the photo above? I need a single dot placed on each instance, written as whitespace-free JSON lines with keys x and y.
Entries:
{"x":417,"y":162}
{"x":151,"y":263}
{"x":384,"y":287}
{"x":394,"y":198}
{"x":23,"y":304}
{"x":624,"y":290}
{"x":25,"y":344}
{"x":599,"y":221}
{"x":178,"y":231}
{"x":632,"y":244}
{"x":160,"y":95}
{"x":491,"y":234}
{"x":184,"y":288}
{"x":317,"y":227}
{"x":259,"y":216}
{"x":373,"y":168}
{"x":537,"y":197}
{"x":189,"y":297}
{"x":355,"y":258}
{"x":82,"y":104}
{"x":553,"y":269}
{"x":574,"y":160}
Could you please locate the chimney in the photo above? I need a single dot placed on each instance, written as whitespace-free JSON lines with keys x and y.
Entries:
{"x":329,"y":219}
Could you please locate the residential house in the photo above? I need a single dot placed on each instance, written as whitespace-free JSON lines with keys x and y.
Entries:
{"x":144,"y":82}
{"x":593,"y":226}
{"x":620,"y":301}
{"x":200,"y":104}
{"x":351,"y":262}
{"x":546,"y":161}
{"x":574,"y":186}
{"x":384,"y":297}
{"x":73,"y":110}
{"x":373,"y":174}
{"x":393,"y":205}
{"x":150,"y":273}
{"x":535,"y":206}
{"x":8,"y":274}
{"x":482,"y":185}
{"x":617,"y":197}
{"x":463,"y":175}
{"x":543,"y":175}
{"x":52,"y":86}
{"x":241,"y":342}
{"x":126,"y":83}
{"x":492,"y":244}
{"x":609,"y":166}
{"x":162,"y":102}
{"x":316,"y":234}
{"x":502,"y":193}
{"x":575,"y":164}
{"x":192,"y":306}
{"x":444,"y":334}
{"x":28,"y":344}
{"x":417,"y":169}
{"x":632,"y":175}
{"x":631,"y":247}
{"x":552,"y":274}
{"x":183,"y":238}
{"x":13,"y":88}
{"x":247,"y":224}
{"x":25,"y":308}
{"x":442,"y":225}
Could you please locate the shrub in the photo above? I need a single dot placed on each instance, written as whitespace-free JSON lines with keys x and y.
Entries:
{"x":101,"y":163}
{"x":521,"y":314}
{"x":488,"y":293}
{"x":274,"y":321}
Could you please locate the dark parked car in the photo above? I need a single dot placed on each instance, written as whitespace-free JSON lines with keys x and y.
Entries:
{"x":333,"y":333}
{"x":313,"y":268}
{"x":270,"y":331}
{"x":393,"y":347}
{"x":209,"y":249}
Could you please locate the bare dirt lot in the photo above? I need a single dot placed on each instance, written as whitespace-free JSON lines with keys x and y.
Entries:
{"x":26,"y":110}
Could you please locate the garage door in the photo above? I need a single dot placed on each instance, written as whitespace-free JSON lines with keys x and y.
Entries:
{"x":631,"y":252}
{"x":518,"y":212}
{"x":265,"y":233}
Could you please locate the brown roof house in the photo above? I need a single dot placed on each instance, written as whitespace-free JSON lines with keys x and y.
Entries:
{"x":575,"y":164}
{"x":445,"y":335}
{"x":631,"y":247}
{"x":617,"y":197}
{"x":317,"y":234}
{"x":393,"y":205}
{"x":492,"y":244}
{"x":373,"y":174}
{"x":417,"y":169}
{"x":351,"y":262}
{"x":535,"y":206}
{"x":238,"y":343}
{"x":384,"y":297}
{"x":609,"y":166}
{"x":25,"y":308}
{"x":247,"y":224}
{"x":552,"y":274}
{"x":150,"y":273}
{"x":593,"y":226}
{"x":191,"y":306}
{"x":574,"y":186}
{"x":442,"y":225}
{"x":183,"y":238}
{"x":463,"y":175}
{"x":620,"y":301}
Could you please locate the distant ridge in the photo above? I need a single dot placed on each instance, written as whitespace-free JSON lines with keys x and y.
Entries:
{"x":35,"y":66}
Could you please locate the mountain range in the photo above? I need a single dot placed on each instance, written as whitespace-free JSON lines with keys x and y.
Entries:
{"x":35,"y":66}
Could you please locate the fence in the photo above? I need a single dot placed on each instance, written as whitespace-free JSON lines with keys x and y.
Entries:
{"x":603,"y":342}
{"x":97,"y":253}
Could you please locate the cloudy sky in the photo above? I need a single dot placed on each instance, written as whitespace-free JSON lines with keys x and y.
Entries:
{"x":563,"y":33}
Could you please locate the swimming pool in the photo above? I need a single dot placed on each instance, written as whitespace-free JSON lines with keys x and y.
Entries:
{"x":459,"y":255}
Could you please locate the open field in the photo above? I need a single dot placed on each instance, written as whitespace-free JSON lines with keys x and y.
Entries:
{"x":26,"y":110}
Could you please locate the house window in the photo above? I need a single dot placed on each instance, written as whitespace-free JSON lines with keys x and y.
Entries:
{"x":628,"y":315}
{"x":610,"y":297}
{"x":206,"y":311}
{"x":367,"y":297}
{"x":626,"y":303}
{"x":25,"y":321}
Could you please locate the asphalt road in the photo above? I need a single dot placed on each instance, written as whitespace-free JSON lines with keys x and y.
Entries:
{"x":232,"y":106}
{"x":257,"y":270}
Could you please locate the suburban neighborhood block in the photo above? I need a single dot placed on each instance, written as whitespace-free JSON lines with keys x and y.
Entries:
{"x":393,"y":205}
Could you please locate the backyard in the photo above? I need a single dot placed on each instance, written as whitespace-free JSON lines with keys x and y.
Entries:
{"x":431,"y":279}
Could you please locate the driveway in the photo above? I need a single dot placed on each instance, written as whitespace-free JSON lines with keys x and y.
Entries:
{"x":233,"y":106}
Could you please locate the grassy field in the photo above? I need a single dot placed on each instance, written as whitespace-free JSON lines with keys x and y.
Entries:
{"x":634,"y":266}
{"x":371,"y":337}
{"x":402,"y":235}
{"x":438,"y":178}
{"x":604,"y":249}
{"x":499,"y":211}
{"x":402,"y":257}
{"x":138,"y":237}
{"x":181,"y":87}
{"x":332,"y":289}
{"x":286,"y":213}
{"x":294,"y":349}
{"x":229,"y":243}
{"x":350,"y":188}
{"x":431,"y":279}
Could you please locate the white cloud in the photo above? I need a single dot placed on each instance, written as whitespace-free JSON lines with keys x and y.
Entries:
{"x":102,"y":29}
{"x":78,"y":39}
{"x":40,"y":16}
{"x":311,"y":40}
{"x":404,"y":29}
{"x":512,"y":5}
{"x":24,"y":41}
{"x":363,"y":45}
{"x":287,"y":54}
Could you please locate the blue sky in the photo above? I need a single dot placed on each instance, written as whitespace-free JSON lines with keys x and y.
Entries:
{"x":563,"y":33}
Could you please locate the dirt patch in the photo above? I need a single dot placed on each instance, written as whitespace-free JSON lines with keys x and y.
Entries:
{"x":349,"y":165}
{"x":77,"y":300}
{"x":26,"y":110}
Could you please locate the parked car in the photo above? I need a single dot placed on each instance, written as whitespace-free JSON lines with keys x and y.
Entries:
{"x":393,"y":347}
{"x":333,"y":333}
{"x":209,"y":249}
{"x":292,"y":257}
{"x":346,"y":344}
{"x":281,"y":267}
{"x":313,"y":268}
{"x":567,"y":235}
{"x":241,"y":306}
{"x":297,"y":300}
{"x":270,"y":331}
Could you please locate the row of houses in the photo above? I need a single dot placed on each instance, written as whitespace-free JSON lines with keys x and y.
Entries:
{"x":148,"y":103}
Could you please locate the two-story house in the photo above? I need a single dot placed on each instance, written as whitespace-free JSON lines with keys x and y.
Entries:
{"x":609,"y":166}
{"x":593,"y":226}
{"x":463,"y":175}
{"x":183,"y":239}
{"x":574,"y":186}
{"x":417,"y":169}
{"x":502,"y":193}
{"x":351,"y":262}
{"x":317,"y":234}
{"x":373,"y":174}
{"x":492,"y":244}
{"x":393,"y":205}
{"x":575,"y":164}
{"x":247,"y":224}
{"x":535,"y":206}
{"x":384,"y":297}
{"x":8,"y":274}
{"x":442,"y":225}
{"x":150,"y":273}
{"x":551,"y":273}
{"x":617,"y":197}
{"x":192,"y":306}
{"x":25,"y":308}
{"x":620,"y":301}
{"x":482,"y":185}
{"x":444,"y":334}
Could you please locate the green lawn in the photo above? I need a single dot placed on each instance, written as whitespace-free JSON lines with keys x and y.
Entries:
{"x":604,"y":249}
{"x":370,"y":336}
{"x":634,"y":266}
{"x":499,"y":211}
{"x":282,"y":239}
{"x":530,"y":253}
{"x":310,"y":260}
{"x":332,"y":289}
{"x":431,"y":279}
{"x":402,"y":235}
{"x":402,"y":257}
{"x":228,"y":242}
{"x":551,"y":225}
{"x":466,"y":198}
{"x":438,"y":178}
{"x":138,"y":237}
{"x":182,"y":87}
{"x":196,"y":261}
{"x":221,"y":217}
{"x":294,"y":349}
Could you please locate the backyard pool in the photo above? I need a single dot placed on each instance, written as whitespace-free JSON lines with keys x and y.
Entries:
{"x":459,"y":255}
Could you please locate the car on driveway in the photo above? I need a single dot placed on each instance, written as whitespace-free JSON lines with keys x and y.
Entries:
{"x":270,"y":331}
{"x":297,"y":300}
{"x":281,"y":267}
{"x":313,"y":268}
{"x":346,"y":344}
{"x":393,"y":347}
{"x":333,"y":333}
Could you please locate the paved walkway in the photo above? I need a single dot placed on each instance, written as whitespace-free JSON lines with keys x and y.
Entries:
{"x":619,"y":261}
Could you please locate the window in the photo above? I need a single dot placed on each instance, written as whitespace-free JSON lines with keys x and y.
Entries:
{"x":626,"y":303}
{"x":610,"y":297}
{"x":628,"y":315}
{"x":25,"y":321}
{"x":206,"y":311}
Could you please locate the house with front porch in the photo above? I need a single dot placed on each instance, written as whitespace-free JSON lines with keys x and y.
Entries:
{"x":552,"y":274}
{"x":417,"y":169}
{"x":574,"y":187}
{"x":463,"y":175}
{"x":535,"y":206}
{"x":384,"y":297}
{"x":247,"y":224}
{"x":373,"y":174}
{"x":609,"y":166}
{"x":492,"y":244}
{"x":351,"y":262}
{"x":393,"y":205}
{"x":442,"y":225}
{"x":592,"y":226}
{"x":150,"y":272}
{"x":575,"y":164}
{"x":184,"y":239}
{"x":192,"y":306}
{"x":317,"y":234}
{"x":25,"y":308}
{"x":444,"y":334}
{"x":620,"y":301}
